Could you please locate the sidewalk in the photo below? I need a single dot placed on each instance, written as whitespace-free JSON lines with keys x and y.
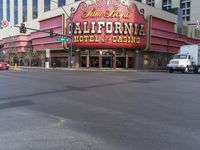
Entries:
{"x":87,"y":69}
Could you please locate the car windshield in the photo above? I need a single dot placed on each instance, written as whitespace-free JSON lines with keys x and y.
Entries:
{"x":182,"y":56}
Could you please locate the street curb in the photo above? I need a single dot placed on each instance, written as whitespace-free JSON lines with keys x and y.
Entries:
{"x":16,"y":68}
{"x":89,"y":69}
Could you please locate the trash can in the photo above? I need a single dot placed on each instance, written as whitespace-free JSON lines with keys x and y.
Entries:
{"x":54,"y":65}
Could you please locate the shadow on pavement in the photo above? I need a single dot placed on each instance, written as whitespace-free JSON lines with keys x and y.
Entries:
{"x":15,"y":104}
{"x":81,"y":89}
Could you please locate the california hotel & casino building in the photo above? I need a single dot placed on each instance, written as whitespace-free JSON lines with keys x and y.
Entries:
{"x":105,"y":34}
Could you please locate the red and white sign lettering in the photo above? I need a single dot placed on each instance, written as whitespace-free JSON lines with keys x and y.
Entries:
{"x":108,"y":25}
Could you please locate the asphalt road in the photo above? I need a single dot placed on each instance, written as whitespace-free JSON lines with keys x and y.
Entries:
{"x":79,"y":110}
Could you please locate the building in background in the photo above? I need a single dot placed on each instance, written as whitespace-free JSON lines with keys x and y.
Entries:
{"x":162,"y":36}
{"x":34,"y":14}
{"x":190,"y":13}
{"x":189,"y":7}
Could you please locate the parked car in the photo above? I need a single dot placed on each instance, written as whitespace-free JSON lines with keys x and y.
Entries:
{"x":4,"y":66}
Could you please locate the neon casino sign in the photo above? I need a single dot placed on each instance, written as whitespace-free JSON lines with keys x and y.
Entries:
{"x":108,"y":24}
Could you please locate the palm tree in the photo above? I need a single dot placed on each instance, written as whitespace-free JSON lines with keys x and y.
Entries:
{"x":20,"y":56}
{"x":29,"y":54}
{"x":8,"y":57}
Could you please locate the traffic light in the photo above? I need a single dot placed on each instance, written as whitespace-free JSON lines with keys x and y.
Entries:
{"x":51,"y":33}
{"x":22,"y":28}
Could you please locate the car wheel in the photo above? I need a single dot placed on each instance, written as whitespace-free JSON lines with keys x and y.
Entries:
{"x":186,"y":70}
{"x":196,"y":70}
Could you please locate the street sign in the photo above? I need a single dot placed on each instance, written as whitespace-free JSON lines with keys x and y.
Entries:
{"x":64,"y":39}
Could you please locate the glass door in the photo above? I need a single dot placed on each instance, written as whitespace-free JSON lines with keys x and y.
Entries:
{"x":107,"y":61}
{"x":83,"y":59}
{"x":94,"y":58}
{"x":120,"y":62}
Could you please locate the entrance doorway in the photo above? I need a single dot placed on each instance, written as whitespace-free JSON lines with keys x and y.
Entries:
{"x":94,"y":61}
{"x":107,"y":59}
{"x":83,"y":59}
{"x":120,"y":62}
{"x":59,"y":61}
{"x":94,"y":58}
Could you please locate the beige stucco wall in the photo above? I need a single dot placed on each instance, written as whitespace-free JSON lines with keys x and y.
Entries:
{"x":175,"y":3}
{"x":55,"y":11}
{"x":158,"y":13}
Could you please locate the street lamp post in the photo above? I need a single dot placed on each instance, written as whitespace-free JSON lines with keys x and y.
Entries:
{"x":71,"y":25}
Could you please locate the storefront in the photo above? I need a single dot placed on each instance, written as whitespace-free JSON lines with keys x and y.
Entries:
{"x":42,"y":41}
{"x":58,"y":58}
{"x":107,"y":58}
{"x":16,"y":49}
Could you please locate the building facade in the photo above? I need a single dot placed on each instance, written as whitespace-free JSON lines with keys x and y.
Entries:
{"x":104,"y":34}
{"x":189,"y":7}
{"x":189,"y":13}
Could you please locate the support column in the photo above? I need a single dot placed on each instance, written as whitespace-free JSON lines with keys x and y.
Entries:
{"x":100,"y":59}
{"x":77,"y":59}
{"x":137,"y":59}
{"x":87,"y":59}
{"x":48,"y":62}
{"x":114,"y":60}
{"x":126,"y":61}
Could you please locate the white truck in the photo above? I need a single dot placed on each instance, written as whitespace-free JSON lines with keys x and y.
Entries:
{"x":187,"y":60}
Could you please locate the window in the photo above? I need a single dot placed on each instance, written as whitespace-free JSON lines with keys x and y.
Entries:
{"x":166,"y":4}
{"x":35,"y":9}
{"x":188,"y":11}
{"x":24,"y":17}
{"x":15,"y":11}
{"x":182,"y":5}
{"x":183,"y":12}
{"x":180,"y":56}
{"x":8,"y":10}
{"x":47,"y":5}
{"x":196,"y":34}
{"x":185,"y":30}
{"x":150,"y":3}
{"x":186,"y":6}
{"x":61,"y":3}
{"x":188,"y":18}
{"x":1,"y":11}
